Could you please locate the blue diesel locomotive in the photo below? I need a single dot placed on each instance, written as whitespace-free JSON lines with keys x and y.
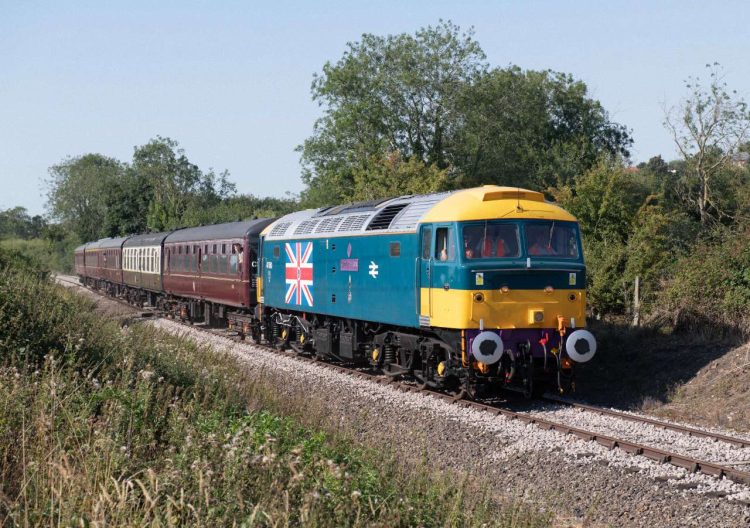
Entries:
{"x":461,"y":290}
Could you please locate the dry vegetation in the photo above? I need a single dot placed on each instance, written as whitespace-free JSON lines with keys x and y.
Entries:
{"x":105,"y":426}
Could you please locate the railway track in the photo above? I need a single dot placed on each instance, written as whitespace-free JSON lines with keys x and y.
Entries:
{"x":663,"y":456}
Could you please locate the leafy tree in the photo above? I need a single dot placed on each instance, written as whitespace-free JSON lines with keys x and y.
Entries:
{"x":176,"y":183}
{"x":430,"y":98}
{"x":387,"y":94}
{"x":77,"y":193}
{"x":17,"y":223}
{"x":708,"y":127}
{"x":127,"y":204}
{"x":605,"y":200}
{"x":241,"y":207}
{"x":534,"y":129}
{"x":393,"y":176}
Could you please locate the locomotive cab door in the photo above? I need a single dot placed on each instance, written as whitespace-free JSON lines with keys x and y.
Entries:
{"x":424,"y":272}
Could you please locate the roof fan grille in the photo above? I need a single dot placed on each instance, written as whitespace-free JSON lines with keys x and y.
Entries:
{"x":383,"y":219}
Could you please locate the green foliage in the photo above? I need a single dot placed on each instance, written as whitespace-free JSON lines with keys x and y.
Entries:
{"x":535,"y":129}
{"x":48,"y":255}
{"x":708,"y":128}
{"x":240,"y":208}
{"x":394,"y":176}
{"x":140,"y":428}
{"x":77,"y":194}
{"x":17,"y":223}
{"x":177,"y":184}
{"x":161,"y":189}
{"x":431,"y":98}
{"x":711,"y":285}
{"x":630,"y":230}
{"x":387,"y":94}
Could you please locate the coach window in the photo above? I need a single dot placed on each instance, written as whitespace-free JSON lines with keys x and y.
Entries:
{"x":445,"y":245}
{"x":234,"y":258}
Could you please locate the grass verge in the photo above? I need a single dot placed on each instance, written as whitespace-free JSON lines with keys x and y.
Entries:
{"x":101,"y":425}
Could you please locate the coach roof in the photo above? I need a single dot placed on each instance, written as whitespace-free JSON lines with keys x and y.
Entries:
{"x":220,"y":231}
{"x":147,"y":240}
{"x":107,"y":243}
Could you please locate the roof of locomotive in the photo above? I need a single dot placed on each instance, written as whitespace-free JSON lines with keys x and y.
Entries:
{"x":106,"y":243}
{"x":219,"y":231}
{"x":147,"y":239}
{"x":405,"y":213}
{"x":493,"y":202}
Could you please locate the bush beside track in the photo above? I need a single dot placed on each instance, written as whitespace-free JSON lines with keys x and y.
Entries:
{"x":101,"y":425}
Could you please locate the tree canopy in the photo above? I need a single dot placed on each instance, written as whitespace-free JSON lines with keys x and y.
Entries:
{"x":431,"y":98}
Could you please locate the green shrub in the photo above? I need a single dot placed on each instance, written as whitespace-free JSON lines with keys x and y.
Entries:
{"x":711,"y":285}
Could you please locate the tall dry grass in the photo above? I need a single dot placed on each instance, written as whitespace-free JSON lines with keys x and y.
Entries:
{"x":105,"y":426}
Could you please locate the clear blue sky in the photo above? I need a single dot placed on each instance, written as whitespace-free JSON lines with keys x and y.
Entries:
{"x":231,"y":80}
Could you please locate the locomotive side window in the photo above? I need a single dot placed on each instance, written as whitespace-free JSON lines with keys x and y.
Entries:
{"x":276,"y":251}
{"x":426,"y":240}
{"x":395,"y":249}
{"x":445,"y":245}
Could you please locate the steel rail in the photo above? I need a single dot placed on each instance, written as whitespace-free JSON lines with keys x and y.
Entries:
{"x":691,"y":464}
{"x":690,"y":431}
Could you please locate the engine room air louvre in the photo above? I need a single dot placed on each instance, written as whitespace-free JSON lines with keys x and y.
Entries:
{"x":383,"y":219}
{"x":328,"y":225}
{"x":279,"y":229}
{"x":306,"y":227}
{"x":353,"y":223}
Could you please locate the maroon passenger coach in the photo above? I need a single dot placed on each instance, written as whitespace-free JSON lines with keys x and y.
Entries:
{"x":215,"y":267}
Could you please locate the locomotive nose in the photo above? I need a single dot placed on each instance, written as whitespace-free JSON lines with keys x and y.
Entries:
{"x":581,"y":346}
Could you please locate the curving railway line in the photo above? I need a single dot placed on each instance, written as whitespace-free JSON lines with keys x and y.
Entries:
{"x":728,"y":470}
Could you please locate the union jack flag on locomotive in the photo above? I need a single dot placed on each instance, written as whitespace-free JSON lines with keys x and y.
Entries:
{"x":299,"y":273}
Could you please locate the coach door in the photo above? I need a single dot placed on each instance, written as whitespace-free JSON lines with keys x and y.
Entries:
{"x":424,"y":272}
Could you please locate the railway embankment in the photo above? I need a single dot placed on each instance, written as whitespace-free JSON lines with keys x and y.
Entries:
{"x":103,"y":422}
{"x":579,"y":482}
{"x":690,"y":377}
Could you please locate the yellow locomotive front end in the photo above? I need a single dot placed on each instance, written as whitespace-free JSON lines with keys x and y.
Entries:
{"x":505,"y":268}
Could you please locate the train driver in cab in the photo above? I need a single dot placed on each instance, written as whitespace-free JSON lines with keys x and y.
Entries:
{"x":539,"y":241}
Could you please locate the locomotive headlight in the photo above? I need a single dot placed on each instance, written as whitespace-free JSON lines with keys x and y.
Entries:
{"x":580,"y":346}
{"x":536,"y":316}
{"x":549,"y":289}
{"x":505,"y":289}
{"x":478,"y":297}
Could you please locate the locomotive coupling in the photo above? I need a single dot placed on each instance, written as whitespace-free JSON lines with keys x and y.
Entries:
{"x":580,"y":346}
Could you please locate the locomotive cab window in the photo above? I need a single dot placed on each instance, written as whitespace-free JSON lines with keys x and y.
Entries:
{"x":552,"y":239}
{"x":445,"y":245}
{"x":491,"y":240}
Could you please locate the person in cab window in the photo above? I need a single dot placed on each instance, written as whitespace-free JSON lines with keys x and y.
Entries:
{"x":493,"y":250}
{"x":539,"y":242}
{"x":471,"y":241}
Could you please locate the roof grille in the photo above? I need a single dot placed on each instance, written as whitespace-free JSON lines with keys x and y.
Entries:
{"x":353,"y":222}
{"x":306,"y":227}
{"x":328,"y":225}
{"x":279,"y":229}
{"x":383,"y":219}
